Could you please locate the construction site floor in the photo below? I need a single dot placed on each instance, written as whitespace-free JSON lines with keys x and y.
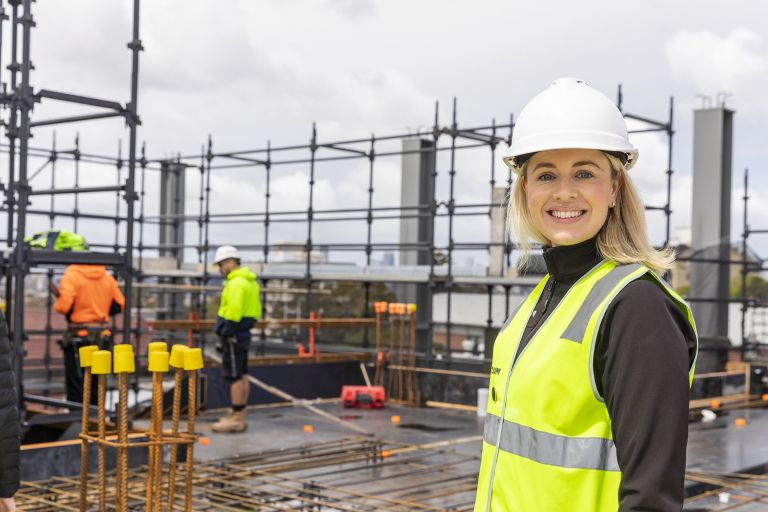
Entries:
{"x":283,"y":427}
{"x":718,"y":446}
{"x":294,"y":458}
{"x":722,"y":446}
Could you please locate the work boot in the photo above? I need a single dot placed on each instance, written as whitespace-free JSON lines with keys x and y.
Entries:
{"x":233,"y":422}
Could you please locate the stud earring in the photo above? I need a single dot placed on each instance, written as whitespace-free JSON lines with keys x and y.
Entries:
{"x":613,"y":203}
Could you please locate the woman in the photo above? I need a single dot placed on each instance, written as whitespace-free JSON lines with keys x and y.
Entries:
{"x":588,"y":394}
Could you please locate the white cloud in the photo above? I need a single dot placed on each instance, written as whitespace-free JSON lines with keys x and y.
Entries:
{"x":736,"y":63}
{"x":251,"y":71}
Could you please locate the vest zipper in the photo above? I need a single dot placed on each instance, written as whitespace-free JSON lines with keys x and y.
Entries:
{"x":504,"y":405}
{"x":549,"y":290}
{"x":549,"y":296}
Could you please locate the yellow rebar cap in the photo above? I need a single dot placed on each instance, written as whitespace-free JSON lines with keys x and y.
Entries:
{"x":157,"y":345}
{"x":411,"y":308}
{"x":158,"y":361}
{"x":101,"y":362}
{"x":177,"y":356}
{"x":123,"y":348}
{"x":193,"y":359}
{"x":124,"y":361}
{"x":86,"y":355}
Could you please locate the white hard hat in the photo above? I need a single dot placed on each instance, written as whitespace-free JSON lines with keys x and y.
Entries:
{"x":225,"y":252}
{"x":570,"y":114}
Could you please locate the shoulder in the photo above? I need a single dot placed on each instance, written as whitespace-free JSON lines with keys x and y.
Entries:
{"x":643,"y":291}
{"x":645,"y":309}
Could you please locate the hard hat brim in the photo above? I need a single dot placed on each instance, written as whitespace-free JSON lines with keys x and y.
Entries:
{"x":516,"y":162}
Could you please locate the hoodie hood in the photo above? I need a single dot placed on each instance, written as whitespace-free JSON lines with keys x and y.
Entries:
{"x":90,"y":271}
{"x":243,"y":272}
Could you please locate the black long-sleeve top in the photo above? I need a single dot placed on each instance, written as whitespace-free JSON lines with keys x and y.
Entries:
{"x":10,"y":429}
{"x":644,"y":349}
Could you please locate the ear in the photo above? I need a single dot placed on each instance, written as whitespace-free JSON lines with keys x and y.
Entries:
{"x":616,"y":184}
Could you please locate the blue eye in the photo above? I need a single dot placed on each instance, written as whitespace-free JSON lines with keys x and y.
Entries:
{"x":584,"y":175}
{"x":547,"y":176}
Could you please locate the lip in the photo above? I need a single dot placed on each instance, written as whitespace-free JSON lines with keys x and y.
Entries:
{"x":570,"y":220}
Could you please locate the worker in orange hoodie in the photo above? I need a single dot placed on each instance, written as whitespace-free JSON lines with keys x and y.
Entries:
{"x":88,"y":296}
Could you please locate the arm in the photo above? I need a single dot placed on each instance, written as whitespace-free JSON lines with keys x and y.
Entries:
{"x":643,"y":357}
{"x":231,"y":310}
{"x":235,"y":291}
{"x":66,"y":298}
{"x":118,"y":300}
{"x":10,"y":429}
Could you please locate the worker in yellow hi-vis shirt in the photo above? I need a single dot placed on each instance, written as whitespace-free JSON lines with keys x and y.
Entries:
{"x":239,"y":309}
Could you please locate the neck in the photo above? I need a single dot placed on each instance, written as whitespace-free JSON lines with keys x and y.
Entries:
{"x":570,"y":262}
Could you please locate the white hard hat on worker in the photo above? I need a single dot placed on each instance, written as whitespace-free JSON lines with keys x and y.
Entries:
{"x":570,"y":114}
{"x":225,"y":252}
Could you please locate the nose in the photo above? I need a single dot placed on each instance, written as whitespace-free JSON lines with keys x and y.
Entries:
{"x":565,"y":190}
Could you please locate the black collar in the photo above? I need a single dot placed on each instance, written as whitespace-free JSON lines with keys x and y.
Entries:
{"x":570,"y":262}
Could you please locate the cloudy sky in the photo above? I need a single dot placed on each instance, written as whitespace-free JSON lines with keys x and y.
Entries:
{"x":249,"y":71}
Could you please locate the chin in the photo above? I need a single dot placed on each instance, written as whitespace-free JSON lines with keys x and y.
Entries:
{"x":568,"y":238}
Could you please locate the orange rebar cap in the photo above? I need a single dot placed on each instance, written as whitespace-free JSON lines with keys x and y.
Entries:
{"x":101,"y":362}
{"x":193,"y":359}
{"x":158,"y":361}
{"x":177,"y":356}
{"x":86,"y":355}
{"x":380,"y":307}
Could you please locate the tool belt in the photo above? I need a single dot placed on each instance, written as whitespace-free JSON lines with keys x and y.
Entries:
{"x":81,"y":335}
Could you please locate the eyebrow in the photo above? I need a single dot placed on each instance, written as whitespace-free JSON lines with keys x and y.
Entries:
{"x":585,"y":162}
{"x":547,"y":165}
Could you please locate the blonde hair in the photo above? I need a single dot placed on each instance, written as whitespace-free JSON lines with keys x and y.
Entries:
{"x":623,"y":238}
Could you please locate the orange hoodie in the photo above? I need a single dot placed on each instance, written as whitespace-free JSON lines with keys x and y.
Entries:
{"x":86,"y":293}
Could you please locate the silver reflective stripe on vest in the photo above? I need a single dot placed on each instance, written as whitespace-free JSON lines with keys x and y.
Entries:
{"x":554,"y":450}
{"x":578,"y":326}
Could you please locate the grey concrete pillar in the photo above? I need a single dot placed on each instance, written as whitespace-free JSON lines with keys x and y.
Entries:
{"x":416,"y":197}
{"x":711,"y":222}
{"x":172,"y":193}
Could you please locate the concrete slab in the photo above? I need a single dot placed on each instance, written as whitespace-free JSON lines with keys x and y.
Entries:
{"x":284,"y":427}
{"x":722,"y":446}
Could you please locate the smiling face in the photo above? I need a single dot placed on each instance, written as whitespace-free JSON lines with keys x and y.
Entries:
{"x":568,"y":193}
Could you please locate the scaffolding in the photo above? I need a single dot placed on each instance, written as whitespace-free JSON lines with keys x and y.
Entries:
{"x":18,"y":99}
{"x":368,"y":157}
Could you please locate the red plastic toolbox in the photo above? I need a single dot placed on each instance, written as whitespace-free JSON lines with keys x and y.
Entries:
{"x":369,"y":397}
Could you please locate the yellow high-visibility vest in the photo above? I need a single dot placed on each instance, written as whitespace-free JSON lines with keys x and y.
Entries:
{"x":547,"y":444}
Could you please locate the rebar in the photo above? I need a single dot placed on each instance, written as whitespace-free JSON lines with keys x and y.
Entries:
{"x":191,"y":411}
{"x":84,"y":442}
{"x":175,"y":419}
{"x":345,"y":474}
{"x":102,"y":385}
{"x":122,"y":437}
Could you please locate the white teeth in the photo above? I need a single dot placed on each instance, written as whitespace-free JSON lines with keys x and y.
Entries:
{"x":566,"y":215}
